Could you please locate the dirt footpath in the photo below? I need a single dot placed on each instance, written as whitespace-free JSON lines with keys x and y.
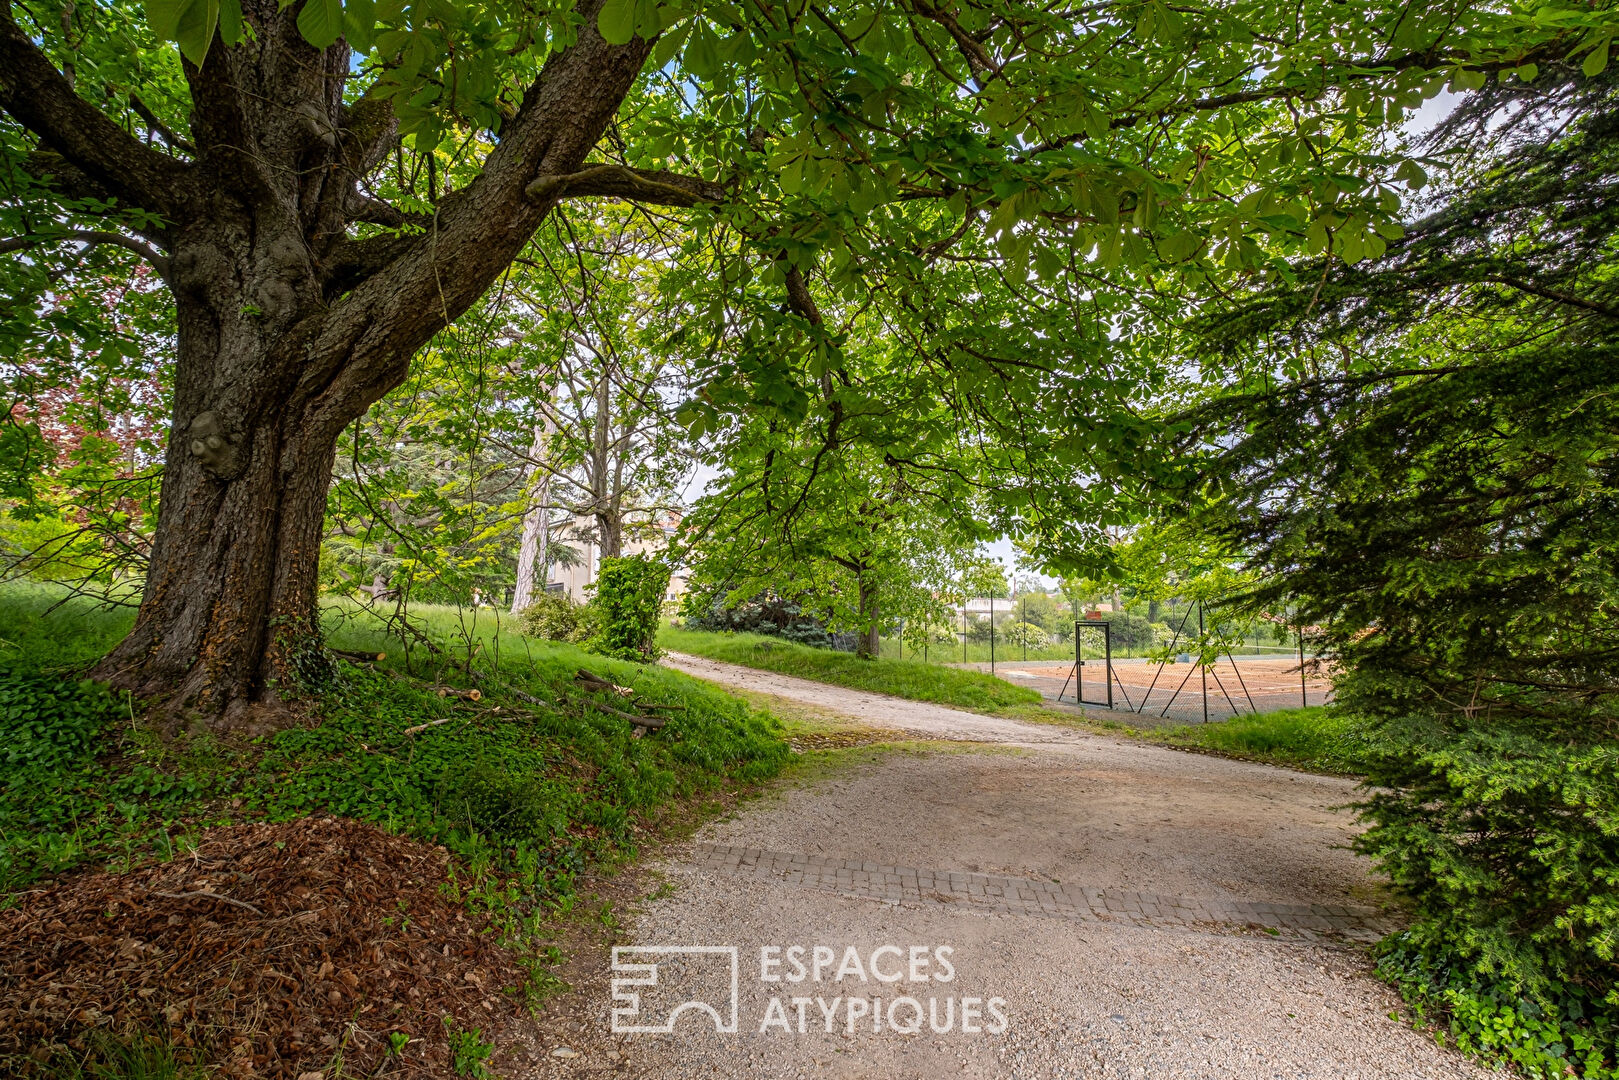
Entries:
{"x":1102,"y":909}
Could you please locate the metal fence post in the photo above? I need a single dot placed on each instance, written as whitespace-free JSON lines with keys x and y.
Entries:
{"x":1304,"y":684}
{"x":1107,"y":673}
{"x":1202,"y":666}
{"x":992,"y":631}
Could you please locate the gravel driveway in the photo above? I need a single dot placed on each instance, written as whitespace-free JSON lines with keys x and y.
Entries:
{"x":1133,"y":912}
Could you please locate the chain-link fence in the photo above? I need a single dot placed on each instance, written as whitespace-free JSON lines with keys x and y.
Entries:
{"x":1180,"y":691}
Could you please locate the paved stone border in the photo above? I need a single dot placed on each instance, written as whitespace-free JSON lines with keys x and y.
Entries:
{"x":1030,"y":896}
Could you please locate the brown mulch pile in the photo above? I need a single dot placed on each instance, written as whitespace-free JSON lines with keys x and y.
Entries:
{"x":267,"y":951}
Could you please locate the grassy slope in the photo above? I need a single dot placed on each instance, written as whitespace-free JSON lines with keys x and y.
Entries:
{"x":901,"y":678}
{"x":1318,"y":739}
{"x":526,"y":794}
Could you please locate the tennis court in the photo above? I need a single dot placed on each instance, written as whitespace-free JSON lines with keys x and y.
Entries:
{"x":1179,"y":691}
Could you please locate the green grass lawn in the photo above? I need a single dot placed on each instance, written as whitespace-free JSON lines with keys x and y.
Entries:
{"x":43,"y":628}
{"x":978,"y":652}
{"x":901,"y":678}
{"x":1318,"y":739}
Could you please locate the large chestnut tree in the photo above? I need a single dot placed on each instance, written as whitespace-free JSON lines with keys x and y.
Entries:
{"x":324,"y":184}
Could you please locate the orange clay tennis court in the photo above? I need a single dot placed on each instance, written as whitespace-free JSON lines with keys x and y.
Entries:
{"x":1175,"y":692}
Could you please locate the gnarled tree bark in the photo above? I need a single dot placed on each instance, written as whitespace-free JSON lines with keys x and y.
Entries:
{"x":290,"y":326}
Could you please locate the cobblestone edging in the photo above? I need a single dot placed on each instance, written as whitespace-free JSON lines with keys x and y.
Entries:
{"x":1030,"y":896}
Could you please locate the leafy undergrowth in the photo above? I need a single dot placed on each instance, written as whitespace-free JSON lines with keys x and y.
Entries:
{"x":525,"y":787}
{"x":959,"y":688}
{"x":1486,"y":1014}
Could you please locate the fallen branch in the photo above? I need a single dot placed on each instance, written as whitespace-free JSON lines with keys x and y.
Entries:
{"x":419,"y":728}
{"x":204,"y":894}
{"x":464,"y":695}
{"x":638,"y":721}
{"x":596,"y":682}
{"x":357,"y":657}
{"x":400,"y":625}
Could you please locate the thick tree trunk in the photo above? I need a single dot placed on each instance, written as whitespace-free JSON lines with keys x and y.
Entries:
{"x":228,"y":626}
{"x":292,"y":321}
{"x":265,"y":380}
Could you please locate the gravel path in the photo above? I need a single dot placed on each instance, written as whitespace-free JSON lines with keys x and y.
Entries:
{"x":1138,"y":912}
{"x":877,"y":710}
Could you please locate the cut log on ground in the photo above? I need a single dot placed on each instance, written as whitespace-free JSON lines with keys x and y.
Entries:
{"x":419,"y":728}
{"x":596,"y":682}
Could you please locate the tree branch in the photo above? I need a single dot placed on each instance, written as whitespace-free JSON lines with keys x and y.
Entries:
{"x":979,"y":62}
{"x":799,"y":298}
{"x":1552,"y":294}
{"x":158,"y":127}
{"x":367,"y":208}
{"x":636,"y":185}
{"x":41,"y":99}
{"x":368,"y":131}
{"x":91,"y":237}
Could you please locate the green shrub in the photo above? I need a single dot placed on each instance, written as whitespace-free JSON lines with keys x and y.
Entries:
{"x":1453,"y":539}
{"x":1508,"y":847}
{"x":1129,"y":632}
{"x":554,"y":617}
{"x":1493,"y":1016}
{"x":1024,"y":634}
{"x":629,"y":598}
{"x":704,"y":608}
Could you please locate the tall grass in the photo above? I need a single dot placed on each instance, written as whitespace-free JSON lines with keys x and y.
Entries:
{"x":45,"y":629}
{"x":1319,"y":739}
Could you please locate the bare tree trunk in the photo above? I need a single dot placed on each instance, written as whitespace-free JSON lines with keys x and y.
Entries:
{"x":604,"y":499}
{"x":533,"y":557}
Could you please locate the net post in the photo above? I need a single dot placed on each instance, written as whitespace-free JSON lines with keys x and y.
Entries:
{"x":1107,"y":643}
{"x":1304,"y":683}
{"x":1201,"y":634}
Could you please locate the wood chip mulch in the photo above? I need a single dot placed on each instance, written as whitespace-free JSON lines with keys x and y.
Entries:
{"x":268,"y":951}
